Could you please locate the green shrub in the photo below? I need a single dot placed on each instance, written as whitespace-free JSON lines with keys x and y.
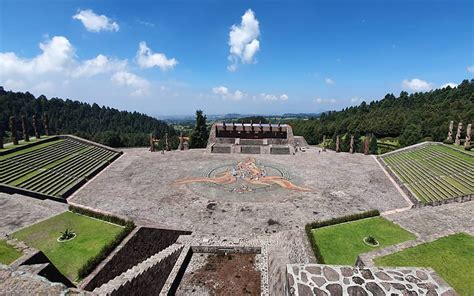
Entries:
{"x":468,"y":148}
{"x":318,"y":224}
{"x":449,"y":142}
{"x":67,"y":234}
{"x":92,"y":263}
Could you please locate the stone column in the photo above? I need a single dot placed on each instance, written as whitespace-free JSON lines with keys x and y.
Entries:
{"x":24,"y":125}
{"x":338,"y":144}
{"x":181,"y":146}
{"x":324,"y":139}
{"x":351,"y":149}
{"x":167,"y":142}
{"x":46,"y":123}
{"x":450,"y":131}
{"x":468,"y":135}
{"x":35,"y":127}
{"x":152,"y":143}
{"x":366,"y":145}
{"x":458,"y":134}
{"x":13,"y":130}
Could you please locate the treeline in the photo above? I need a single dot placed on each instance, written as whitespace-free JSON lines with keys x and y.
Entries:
{"x":407,"y":118}
{"x":101,"y":124}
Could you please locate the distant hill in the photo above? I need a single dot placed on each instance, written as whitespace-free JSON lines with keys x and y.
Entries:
{"x":105,"y":125}
{"x":423,"y":115}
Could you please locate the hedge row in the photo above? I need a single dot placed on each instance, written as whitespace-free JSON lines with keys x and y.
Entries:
{"x":318,"y":224}
{"x":93,"y":262}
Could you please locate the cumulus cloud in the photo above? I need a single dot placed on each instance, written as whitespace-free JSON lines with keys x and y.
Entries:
{"x":284,"y":97}
{"x":147,"y":59}
{"x":329,"y":81}
{"x":94,"y":22}
{"x":356,"y":100}
{"x":243,"y":41}
{"x":416,"y":84}
{"x":324,"y":101}
{"x":470,"y":69}
{"x":272,"y":97}
{"x":99,"y":65}
{"x":450,"y":84}
{"x":140,"y":85}
{"x":225,"y":94}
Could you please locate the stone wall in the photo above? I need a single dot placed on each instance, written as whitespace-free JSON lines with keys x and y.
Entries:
{"x":250,"y":149}
{"x":280,"y":150}
{"x":139,"y":245}
{"x":146,"y":278}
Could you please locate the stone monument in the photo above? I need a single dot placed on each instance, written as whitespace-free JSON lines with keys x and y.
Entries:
{"x":351,"y":149}
{"x":458,"y":135}
{"x":152,"y":144}
{"x":338,"y":144}
{"x":35,"y":128}
{"x":450,"y":132}
{"x":181,"y":141}
{"x":468,"y":135}
{"x":366,"y":145}
{"x":13,"y":130}
{"x":24,"y":125}
{"x":167,"y":142}
{"x":46,"y":123}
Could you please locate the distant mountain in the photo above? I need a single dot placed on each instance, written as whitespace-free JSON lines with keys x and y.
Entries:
{"x":102,"y":124}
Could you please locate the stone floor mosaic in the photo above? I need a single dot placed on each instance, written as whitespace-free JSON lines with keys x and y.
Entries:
{"x":325,"y":280}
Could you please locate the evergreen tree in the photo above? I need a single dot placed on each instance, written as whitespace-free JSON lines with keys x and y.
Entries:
{"x":200,"y":134}
{"x":373,"y":145}
{"x":411,"y":135}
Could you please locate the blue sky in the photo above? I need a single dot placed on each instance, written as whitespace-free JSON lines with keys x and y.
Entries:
{"x":173,"y":57}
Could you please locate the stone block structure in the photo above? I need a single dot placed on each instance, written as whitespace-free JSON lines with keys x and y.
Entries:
{"x":366,"y":145}
{"x":251,"y":138}
{"x":319,"y":279}
{"x":36,"y":128}
{"x":46,"y":124}
{"x":450,"y":131}
{"x":458,"y":134}
{"x":468,"y":135}
{"x":13,"y":130}
{"x":24,"y":125}
{"x":338,"y":144}
{"x":351,"y":149}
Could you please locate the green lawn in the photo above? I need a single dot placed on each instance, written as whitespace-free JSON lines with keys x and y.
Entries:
{"x":451,"y":256}
{"x":8,"y":254}
{"x":69,"y":256}
{"x":341,"y":243}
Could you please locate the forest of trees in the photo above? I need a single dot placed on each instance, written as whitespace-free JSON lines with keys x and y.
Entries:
{"x":101,"y":124}
{"x":408,"y":118}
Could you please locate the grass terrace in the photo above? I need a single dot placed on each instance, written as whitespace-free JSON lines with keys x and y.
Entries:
{"x":53,"y":168}
{"x":8,"y":146}
{"x":341,"y":243}
{"x":91,"y":235}
{"x":452,"y":257}
{"x":8,"y":254}
{"x":433,"y":172}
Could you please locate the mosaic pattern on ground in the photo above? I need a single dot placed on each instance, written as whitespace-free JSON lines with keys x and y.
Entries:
{"x":246,"y":176}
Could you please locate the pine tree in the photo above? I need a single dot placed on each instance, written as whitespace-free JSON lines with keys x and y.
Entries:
{"x":373,"y":145}
{"x":199,"y":135}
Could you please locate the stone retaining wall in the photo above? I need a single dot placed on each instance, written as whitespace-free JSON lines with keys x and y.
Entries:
{"x":146,"y":278}
{"x":139,"y":245}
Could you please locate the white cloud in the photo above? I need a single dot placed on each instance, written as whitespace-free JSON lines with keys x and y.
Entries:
{"x":243,"y":41}
{"x":284,"y":97}
{"x":470,"y":69}
{"x":220,"y":90}
{"x":99,"y":65}
{"x":57,"y":55}
{"x":355,"y":100}
{"x":272,"y":97}
{"x":450,"y":84}
{"x":324,"y":101}
{"x":94,"y":22}
{"x":416,"y":85}
{"x":147,"y":59}
{"x":329,"y":81}
{"x":140,"y":85}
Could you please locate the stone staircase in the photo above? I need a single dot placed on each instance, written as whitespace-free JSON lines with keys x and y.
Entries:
{"x":148,"y":276}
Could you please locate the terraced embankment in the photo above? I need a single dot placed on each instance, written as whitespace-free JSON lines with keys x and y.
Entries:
{"x":433,"y":172}
{"x":53,"y":169}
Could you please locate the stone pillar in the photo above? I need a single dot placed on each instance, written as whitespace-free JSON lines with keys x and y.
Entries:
{"x":46,"y":123}
{"x":366,"y":145}
{"x":351,"y":149}
{"x":468,"y":135}
{"x":181,"y":146}
{"x":167,"y":142}
{"x":152,"y":143}
{"x":338,"y":144}
{"x":458,"y":134}
{"x":13,"y":130}
{"x":35,"y":127}
{"x":450,"y":131}
{"x":24,"y":125}
{"x":324,"y":139}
